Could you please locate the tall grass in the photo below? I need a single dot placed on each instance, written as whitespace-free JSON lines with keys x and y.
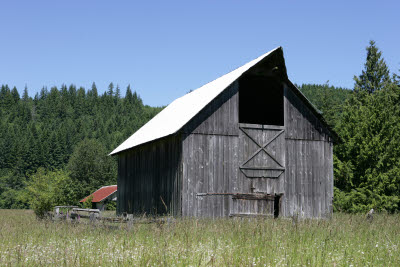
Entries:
{"x":342,"y":241}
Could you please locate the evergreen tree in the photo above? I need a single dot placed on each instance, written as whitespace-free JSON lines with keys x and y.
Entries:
{"x":80,"y":105}
{"x":15,"y":94}
{"x":6,"y":99}
{"x":110,"y":91}
{"x":64,"y":92}
{"x":117,"y":92}
{"x":25,"y":96}
{"x":43,"y":93}
{"x":328,"y":99}
{"x":367,"y":162}
{"x":375,"y":75}
{"x":72,"y":94}
{"x":128,"y":95}
{"x":53,"y":102}
{"x":94,"y":90}
{"x":55,"y":157}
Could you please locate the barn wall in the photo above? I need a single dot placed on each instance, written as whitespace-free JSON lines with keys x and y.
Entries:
{"x":210,"y":142}
{"x":300,"y":121}
{"x":209,"y":167}
{"x":219,"y":117}
{"x":149,"y":175}
{"x":213,"y":148}
{"x":309,"y":161}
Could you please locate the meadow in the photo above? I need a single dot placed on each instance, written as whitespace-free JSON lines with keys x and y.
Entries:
{"x":345,"y":240}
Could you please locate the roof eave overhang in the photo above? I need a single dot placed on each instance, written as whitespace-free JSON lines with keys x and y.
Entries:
{"x":336,"y":138}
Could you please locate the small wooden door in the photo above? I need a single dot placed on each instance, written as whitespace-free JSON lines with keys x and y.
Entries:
{"x":262,"y":166}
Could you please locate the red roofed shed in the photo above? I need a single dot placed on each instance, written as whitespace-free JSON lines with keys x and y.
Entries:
{"x":102,"y":196}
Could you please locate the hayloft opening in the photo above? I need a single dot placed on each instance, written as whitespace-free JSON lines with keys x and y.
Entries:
{"x":261,"y":100}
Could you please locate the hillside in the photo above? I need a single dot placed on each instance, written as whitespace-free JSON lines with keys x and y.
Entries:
{"x":43,"y":131}
{"x":328,"y":99}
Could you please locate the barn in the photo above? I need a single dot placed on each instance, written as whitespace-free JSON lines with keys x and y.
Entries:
{"x":246,"y":144}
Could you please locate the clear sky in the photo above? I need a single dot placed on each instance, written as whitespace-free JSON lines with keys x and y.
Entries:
{"x":166,"y":48}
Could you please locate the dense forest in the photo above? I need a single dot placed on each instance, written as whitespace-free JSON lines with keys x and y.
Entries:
{"x":54,"y":146}
{"x":327,"y":99}
{"x":50,"y":134}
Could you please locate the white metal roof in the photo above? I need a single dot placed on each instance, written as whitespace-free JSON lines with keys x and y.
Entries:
{"x":180,"y":111}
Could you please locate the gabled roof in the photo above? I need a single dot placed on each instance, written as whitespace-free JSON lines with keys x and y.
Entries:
{"x":171,"y":119}
{"x":102,"y":193}
{"x":180,"y":111}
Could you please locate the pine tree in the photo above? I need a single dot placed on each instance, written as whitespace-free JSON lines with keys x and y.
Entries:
{"x":328,"y":99}
{"x":25,"y":96}
{"x":94,"y":90}
{"x":72,"y":94}
{"x":6,"y":99}
{"x":15,"y":94}
{"x":64,"y":92}
{"x":80,"y":107}
{"x":117,"y":92}
{"x":375,"y":74}
{"x":110,"y":91}
{"x":43,"y":93}
{"x":54,"y":158}
{"x":52,"y":101}
{"x":128,"y":95}
{"x":367,"y":162}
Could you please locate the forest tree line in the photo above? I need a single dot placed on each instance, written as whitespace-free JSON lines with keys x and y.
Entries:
{"x":54,"y":134}
{"x":57,"y":142}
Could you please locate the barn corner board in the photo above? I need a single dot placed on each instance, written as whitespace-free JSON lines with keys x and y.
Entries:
{"x":246,"y":144}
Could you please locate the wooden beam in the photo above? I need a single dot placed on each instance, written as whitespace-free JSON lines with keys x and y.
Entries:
{"x":248,"y":196}
{"x":254,"y":196}
{"x":251,"y":215}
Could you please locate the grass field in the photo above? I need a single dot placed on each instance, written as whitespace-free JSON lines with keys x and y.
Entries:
{"x":343,"y":241}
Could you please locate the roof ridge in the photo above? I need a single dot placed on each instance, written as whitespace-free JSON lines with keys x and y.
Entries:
{"x":180,"y":111}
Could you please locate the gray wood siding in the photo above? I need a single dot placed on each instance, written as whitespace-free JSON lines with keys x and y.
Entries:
{"x":150,"y":174}
{"x":309,"y":162}
{"x":209,"y":171}
{"x":220,"y":116}
{"x":309,"y":182}
{"x":210,"y":159}
{"x":300,"y":122}
{"x":210,"y":163}
{"x":211,"y":176}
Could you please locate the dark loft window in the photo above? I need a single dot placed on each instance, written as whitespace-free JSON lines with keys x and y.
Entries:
{"x":260,"y":100}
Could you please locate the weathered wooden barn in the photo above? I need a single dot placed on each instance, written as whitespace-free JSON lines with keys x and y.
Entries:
{"x":246,"y":144}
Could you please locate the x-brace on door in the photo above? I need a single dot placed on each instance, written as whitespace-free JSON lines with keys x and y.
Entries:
{"x":261,"y":150}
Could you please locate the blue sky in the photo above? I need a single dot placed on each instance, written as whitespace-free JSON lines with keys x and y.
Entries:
{"x":166,"y":48}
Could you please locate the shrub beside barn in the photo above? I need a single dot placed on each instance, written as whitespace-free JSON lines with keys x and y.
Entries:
{"x":246,"y":144}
